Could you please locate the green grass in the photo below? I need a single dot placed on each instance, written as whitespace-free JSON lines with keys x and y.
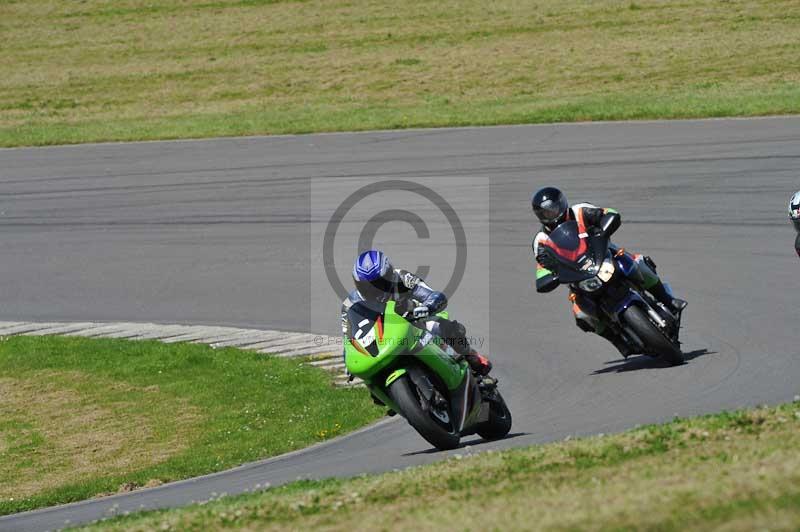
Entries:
{"x":150,"y":69}
{"x":730,"y":471}
{"x":81,"y":417}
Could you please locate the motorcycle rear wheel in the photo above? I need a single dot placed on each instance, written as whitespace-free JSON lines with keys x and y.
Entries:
{"x":404,"y":393}
{"x":652,"y":336}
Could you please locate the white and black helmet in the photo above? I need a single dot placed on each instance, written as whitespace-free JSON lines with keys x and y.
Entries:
{"x":794,"y":210}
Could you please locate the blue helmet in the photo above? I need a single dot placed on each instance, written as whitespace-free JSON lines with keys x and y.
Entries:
{"x":374,"y":276}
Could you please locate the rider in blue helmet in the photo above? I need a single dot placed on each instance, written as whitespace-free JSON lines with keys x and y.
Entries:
{"x":378,"y":282}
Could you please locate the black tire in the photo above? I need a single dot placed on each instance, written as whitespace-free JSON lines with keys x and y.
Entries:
{"x":499,"y":423}
{"x":403,"y":393}
{"x":652,"y":336}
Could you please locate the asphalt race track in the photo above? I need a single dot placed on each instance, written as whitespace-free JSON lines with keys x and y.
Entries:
{"x":218,"y":231}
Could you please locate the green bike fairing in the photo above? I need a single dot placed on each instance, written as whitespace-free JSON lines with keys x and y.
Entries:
{"x":397,"y":341}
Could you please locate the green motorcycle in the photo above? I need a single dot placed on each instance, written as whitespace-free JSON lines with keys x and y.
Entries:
{"x":421,"y":378}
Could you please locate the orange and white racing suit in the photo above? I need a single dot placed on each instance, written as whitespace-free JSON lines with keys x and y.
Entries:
{"x":583,"y":306}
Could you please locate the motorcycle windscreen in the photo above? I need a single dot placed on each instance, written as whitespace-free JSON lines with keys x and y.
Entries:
{"x":571,"y":251}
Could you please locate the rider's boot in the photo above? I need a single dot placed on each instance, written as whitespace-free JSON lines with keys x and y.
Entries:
{"x":619,"y":342}
{"x":673,"y":304}
{"x":455,"y":335}
{"x":479,"y":363}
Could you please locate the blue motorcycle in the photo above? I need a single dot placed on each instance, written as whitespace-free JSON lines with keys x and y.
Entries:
{"x":591,"y":265}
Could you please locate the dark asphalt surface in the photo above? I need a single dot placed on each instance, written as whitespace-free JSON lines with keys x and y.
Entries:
{"x":217,"y":232}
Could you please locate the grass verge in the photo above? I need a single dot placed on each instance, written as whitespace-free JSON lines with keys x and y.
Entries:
{"x":729,"y":471}
{"x":81,"y":418}
{"x":144,"y":69}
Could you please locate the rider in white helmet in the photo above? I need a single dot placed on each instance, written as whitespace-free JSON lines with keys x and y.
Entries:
{"x":794,"y":216}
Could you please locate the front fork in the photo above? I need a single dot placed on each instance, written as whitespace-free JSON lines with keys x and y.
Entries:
{"x":658,"y":313}
{"x":667,"y":320}
{"x":643,"y":275}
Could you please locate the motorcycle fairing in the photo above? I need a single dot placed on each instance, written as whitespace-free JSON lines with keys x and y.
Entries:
{"x":397,"y":334}
{"x":467,"y":407}
{"x":575,"y":252}
{"x":626,"y":264}
{"x":365,"y":327}
{"x":568,"y":243}
{"x":451,"y":371}
{"x":382,"y":333}
{"x":631,"y":298}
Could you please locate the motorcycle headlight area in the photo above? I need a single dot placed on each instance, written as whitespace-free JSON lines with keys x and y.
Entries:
{"x":590,"y":285}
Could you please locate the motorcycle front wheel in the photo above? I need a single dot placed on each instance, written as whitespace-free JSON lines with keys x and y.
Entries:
{"x":655,"y":340}
{"x":436,"y":426}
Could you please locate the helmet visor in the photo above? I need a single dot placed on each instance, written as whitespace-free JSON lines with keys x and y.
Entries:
{"x":550,"y":211}
{"x":379,"y":289}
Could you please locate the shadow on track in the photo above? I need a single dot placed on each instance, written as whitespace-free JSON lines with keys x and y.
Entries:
{"x":471,"y":443}
{"x":646,"y":362}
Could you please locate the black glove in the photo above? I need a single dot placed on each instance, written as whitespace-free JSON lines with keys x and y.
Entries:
{"x":547,"y":258}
